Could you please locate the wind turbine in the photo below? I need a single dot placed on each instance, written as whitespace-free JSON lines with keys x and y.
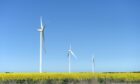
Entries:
{"x":70,"y":54}
{"x":42,"y":41}
{"x":93,"y":63}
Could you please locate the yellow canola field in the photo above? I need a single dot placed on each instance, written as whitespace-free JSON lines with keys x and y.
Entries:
{"x":73,"y":76}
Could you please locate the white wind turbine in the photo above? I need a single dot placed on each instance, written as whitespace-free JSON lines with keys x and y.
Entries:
{"x":93,"y":63}
{"x":42,"y":41}
{"x":70,"y":54}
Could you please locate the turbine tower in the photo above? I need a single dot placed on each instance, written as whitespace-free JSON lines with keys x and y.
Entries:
{"x":93,"y":63}
{"x":42,"y":41}
{"x":70,"y":53}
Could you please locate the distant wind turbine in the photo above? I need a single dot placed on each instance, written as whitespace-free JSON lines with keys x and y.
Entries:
{"x":70,"y":53}
{"x":93,"y":63}
{"x":42,"y":42}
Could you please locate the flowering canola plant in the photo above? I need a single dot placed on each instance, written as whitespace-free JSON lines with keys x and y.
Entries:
{"x":73,"y":76}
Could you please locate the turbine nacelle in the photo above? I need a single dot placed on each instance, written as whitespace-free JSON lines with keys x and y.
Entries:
{"x":40,"y":30}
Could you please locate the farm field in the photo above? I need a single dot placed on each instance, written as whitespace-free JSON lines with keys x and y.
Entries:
{"x":72,"y":78}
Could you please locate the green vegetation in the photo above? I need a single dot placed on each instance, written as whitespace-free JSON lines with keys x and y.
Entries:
{"x":63,"y":78}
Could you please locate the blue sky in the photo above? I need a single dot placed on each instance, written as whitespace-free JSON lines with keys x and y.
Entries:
{"x":109,"y":29}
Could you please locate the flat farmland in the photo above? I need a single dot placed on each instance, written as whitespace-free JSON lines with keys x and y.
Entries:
{"x":72,"y":78}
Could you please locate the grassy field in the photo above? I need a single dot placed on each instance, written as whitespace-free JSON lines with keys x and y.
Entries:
{"x":64,"y":78}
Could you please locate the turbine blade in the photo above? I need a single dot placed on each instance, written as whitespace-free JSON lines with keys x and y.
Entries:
{"x":70,"y":47}
{"x":93,"y":63}
{"x":68,"y":54}
{"x":93,"y":59}
{"x":43,"y":38}
{"x":72,"y":53}
{"x":41,"y":24}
